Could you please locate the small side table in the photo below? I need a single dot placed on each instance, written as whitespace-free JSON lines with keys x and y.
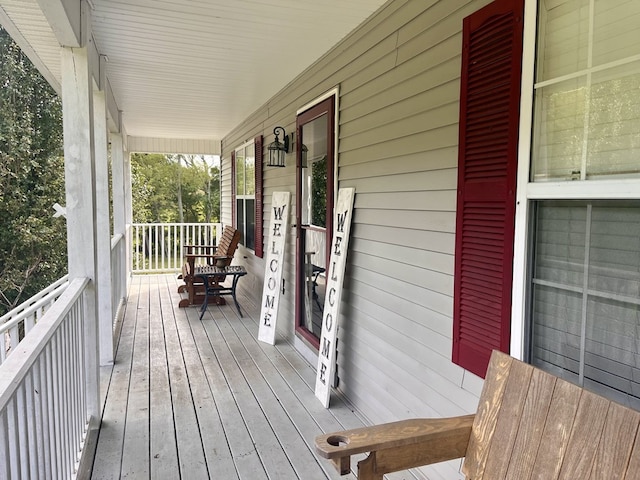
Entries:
{"x":212,"y":276}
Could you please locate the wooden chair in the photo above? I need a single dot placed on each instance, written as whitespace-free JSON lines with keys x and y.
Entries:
{"x":529,"y":424}
{"x":219,"y":255}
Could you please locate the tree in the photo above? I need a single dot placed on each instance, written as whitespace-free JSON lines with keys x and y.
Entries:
{"x":174,"y":188}
{"x":33,"y":251}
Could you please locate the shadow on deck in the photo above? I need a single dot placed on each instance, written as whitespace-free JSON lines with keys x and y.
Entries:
{"x":204,"y":399}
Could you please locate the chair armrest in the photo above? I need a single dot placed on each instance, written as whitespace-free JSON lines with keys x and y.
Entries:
{"x":398,"y":445}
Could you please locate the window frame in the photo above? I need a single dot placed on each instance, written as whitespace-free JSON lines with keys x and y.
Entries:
{"x":528,"y":192}
{"x":243,"y":148}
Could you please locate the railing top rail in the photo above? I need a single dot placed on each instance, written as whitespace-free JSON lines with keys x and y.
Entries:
{"x":115,"y":240}
{"x":16,"y":366}
{"x":14,"y":318}
{"x":32,"y":304}
{"x":174,"y":224}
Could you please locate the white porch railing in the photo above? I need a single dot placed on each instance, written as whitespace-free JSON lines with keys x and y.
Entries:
{"x":118,"y":263}
{"x":43,"y":394}
{"x":19,"y":321}
{"x":158,"y":247}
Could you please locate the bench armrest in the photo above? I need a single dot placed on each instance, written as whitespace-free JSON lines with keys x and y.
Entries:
{"x":398,"y":445}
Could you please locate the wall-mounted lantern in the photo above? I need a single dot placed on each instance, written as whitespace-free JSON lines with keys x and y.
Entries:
{"x":277,"y":149}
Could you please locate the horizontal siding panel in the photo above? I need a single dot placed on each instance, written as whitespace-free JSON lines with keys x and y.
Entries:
{"x":417,"y":162}
{"x":443,"y":200}
{"x":434,"y":67}
{"x":432,"y":140}
{"x":436,"y":301}
{"x":403,"y":316}
{"x":431,"y":119}
{"x":410,"y":182}
{"x":408,"y":353}
{"x":438,"y":221}
{"x":392,"y":379}
{"x":426,"y":239}
{"x":441,"y":22}
{"x":436,"y":261}
{"x":423,"y":102}
{"x":407,"y":273}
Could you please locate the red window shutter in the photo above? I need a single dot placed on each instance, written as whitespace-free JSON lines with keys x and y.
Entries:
{"x":234,"y":222}
{"x":487,"y":167}
{"x":258,"y":203}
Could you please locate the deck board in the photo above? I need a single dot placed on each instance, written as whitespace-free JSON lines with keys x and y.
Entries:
{"x":204,"y":399}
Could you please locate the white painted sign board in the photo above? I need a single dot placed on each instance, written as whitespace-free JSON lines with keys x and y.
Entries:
{"x":278,"y":229}
{"x":335,"y":279}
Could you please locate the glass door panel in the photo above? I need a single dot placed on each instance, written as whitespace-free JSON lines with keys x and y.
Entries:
{"x":314,"y":211}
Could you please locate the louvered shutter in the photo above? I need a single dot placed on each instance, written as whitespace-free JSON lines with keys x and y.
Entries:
{"x":258,"y":203}
{"x":234,"y":221}
{"x":487,"y":165}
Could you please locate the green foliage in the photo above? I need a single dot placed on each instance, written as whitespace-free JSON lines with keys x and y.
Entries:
{"x":174,"y":188}
{"x":33,"y":251}
{"x":319,"y":192}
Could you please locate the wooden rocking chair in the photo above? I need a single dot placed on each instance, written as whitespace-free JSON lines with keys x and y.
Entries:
{"x":219,"y":255}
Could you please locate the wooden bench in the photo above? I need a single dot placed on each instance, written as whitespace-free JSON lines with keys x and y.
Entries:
{"x":529,"y":425}
{"x":219,"y":255}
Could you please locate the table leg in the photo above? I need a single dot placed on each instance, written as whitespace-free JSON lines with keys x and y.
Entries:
{"x":233,"y":293}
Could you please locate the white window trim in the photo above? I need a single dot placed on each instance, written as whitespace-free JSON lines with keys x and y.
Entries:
{"x":244,"y":197}
{"x":615,"y":189}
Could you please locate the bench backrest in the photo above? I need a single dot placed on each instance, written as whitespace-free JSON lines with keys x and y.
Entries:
{"x":228,"y":242}
{"x":531,"y":424}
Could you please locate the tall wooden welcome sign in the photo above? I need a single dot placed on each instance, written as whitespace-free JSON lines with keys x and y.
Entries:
{"x":335,"y":279}
{"x":273,"y":270}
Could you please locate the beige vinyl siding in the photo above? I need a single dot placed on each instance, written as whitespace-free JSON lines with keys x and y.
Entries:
{"x":399,"y":82}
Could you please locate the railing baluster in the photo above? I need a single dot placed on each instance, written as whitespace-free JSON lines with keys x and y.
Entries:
{"x":13,"y":439}
{"x":31,"y":423}
{"x":53,"y":431}
{"x":4,"y":445}
{"x":45,"y":465}
{"x":161,"y":245}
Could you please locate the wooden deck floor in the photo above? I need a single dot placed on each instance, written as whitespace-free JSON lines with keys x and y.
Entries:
{"x":191,"y":399}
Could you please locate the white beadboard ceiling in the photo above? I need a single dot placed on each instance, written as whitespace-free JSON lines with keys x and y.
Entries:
{"x":194,"y":68}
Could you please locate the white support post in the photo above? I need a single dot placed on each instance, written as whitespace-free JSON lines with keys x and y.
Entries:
{"x":103,"y":229}
{"x":119,"y":199}
{"x":128,"y":210}
{"x":77,"y":120}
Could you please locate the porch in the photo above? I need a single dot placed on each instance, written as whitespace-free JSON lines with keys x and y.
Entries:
{"x":204,"y":399}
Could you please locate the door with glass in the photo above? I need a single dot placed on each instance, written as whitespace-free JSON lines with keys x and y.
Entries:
{"x":315,"y":129}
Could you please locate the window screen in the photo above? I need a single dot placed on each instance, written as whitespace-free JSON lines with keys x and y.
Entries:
{"x":585,"y":324}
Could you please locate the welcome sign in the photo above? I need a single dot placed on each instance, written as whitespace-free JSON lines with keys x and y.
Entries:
{"x":273,"y":270}
{"x":335,"y":279}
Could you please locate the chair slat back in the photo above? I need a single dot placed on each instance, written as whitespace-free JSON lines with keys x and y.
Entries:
{"x":531,"y":424}
{"x":228,"y":242}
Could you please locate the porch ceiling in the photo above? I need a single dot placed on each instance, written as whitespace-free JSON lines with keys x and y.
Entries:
{"x":191,"y":69}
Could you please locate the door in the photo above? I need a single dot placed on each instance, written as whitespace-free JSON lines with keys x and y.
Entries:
{"x":315,"y":149}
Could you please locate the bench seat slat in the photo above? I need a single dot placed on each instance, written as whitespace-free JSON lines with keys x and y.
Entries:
{"x":585,"y":434}
{"x":486,"y":417}
{"x":616,"y":444}
{"x":555,"y":437}
{"x":633,"y":470}
{"x":534,"y":416}
{"x":508,"y":421}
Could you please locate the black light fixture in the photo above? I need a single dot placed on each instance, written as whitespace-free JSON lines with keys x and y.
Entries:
{"x":278,"y":150}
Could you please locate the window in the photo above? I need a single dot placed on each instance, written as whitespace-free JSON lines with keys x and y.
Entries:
{"x":587,"y":91}
{"x":584,"y":288}
{"x":586,"y":295}
{"x":245,"y":193}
